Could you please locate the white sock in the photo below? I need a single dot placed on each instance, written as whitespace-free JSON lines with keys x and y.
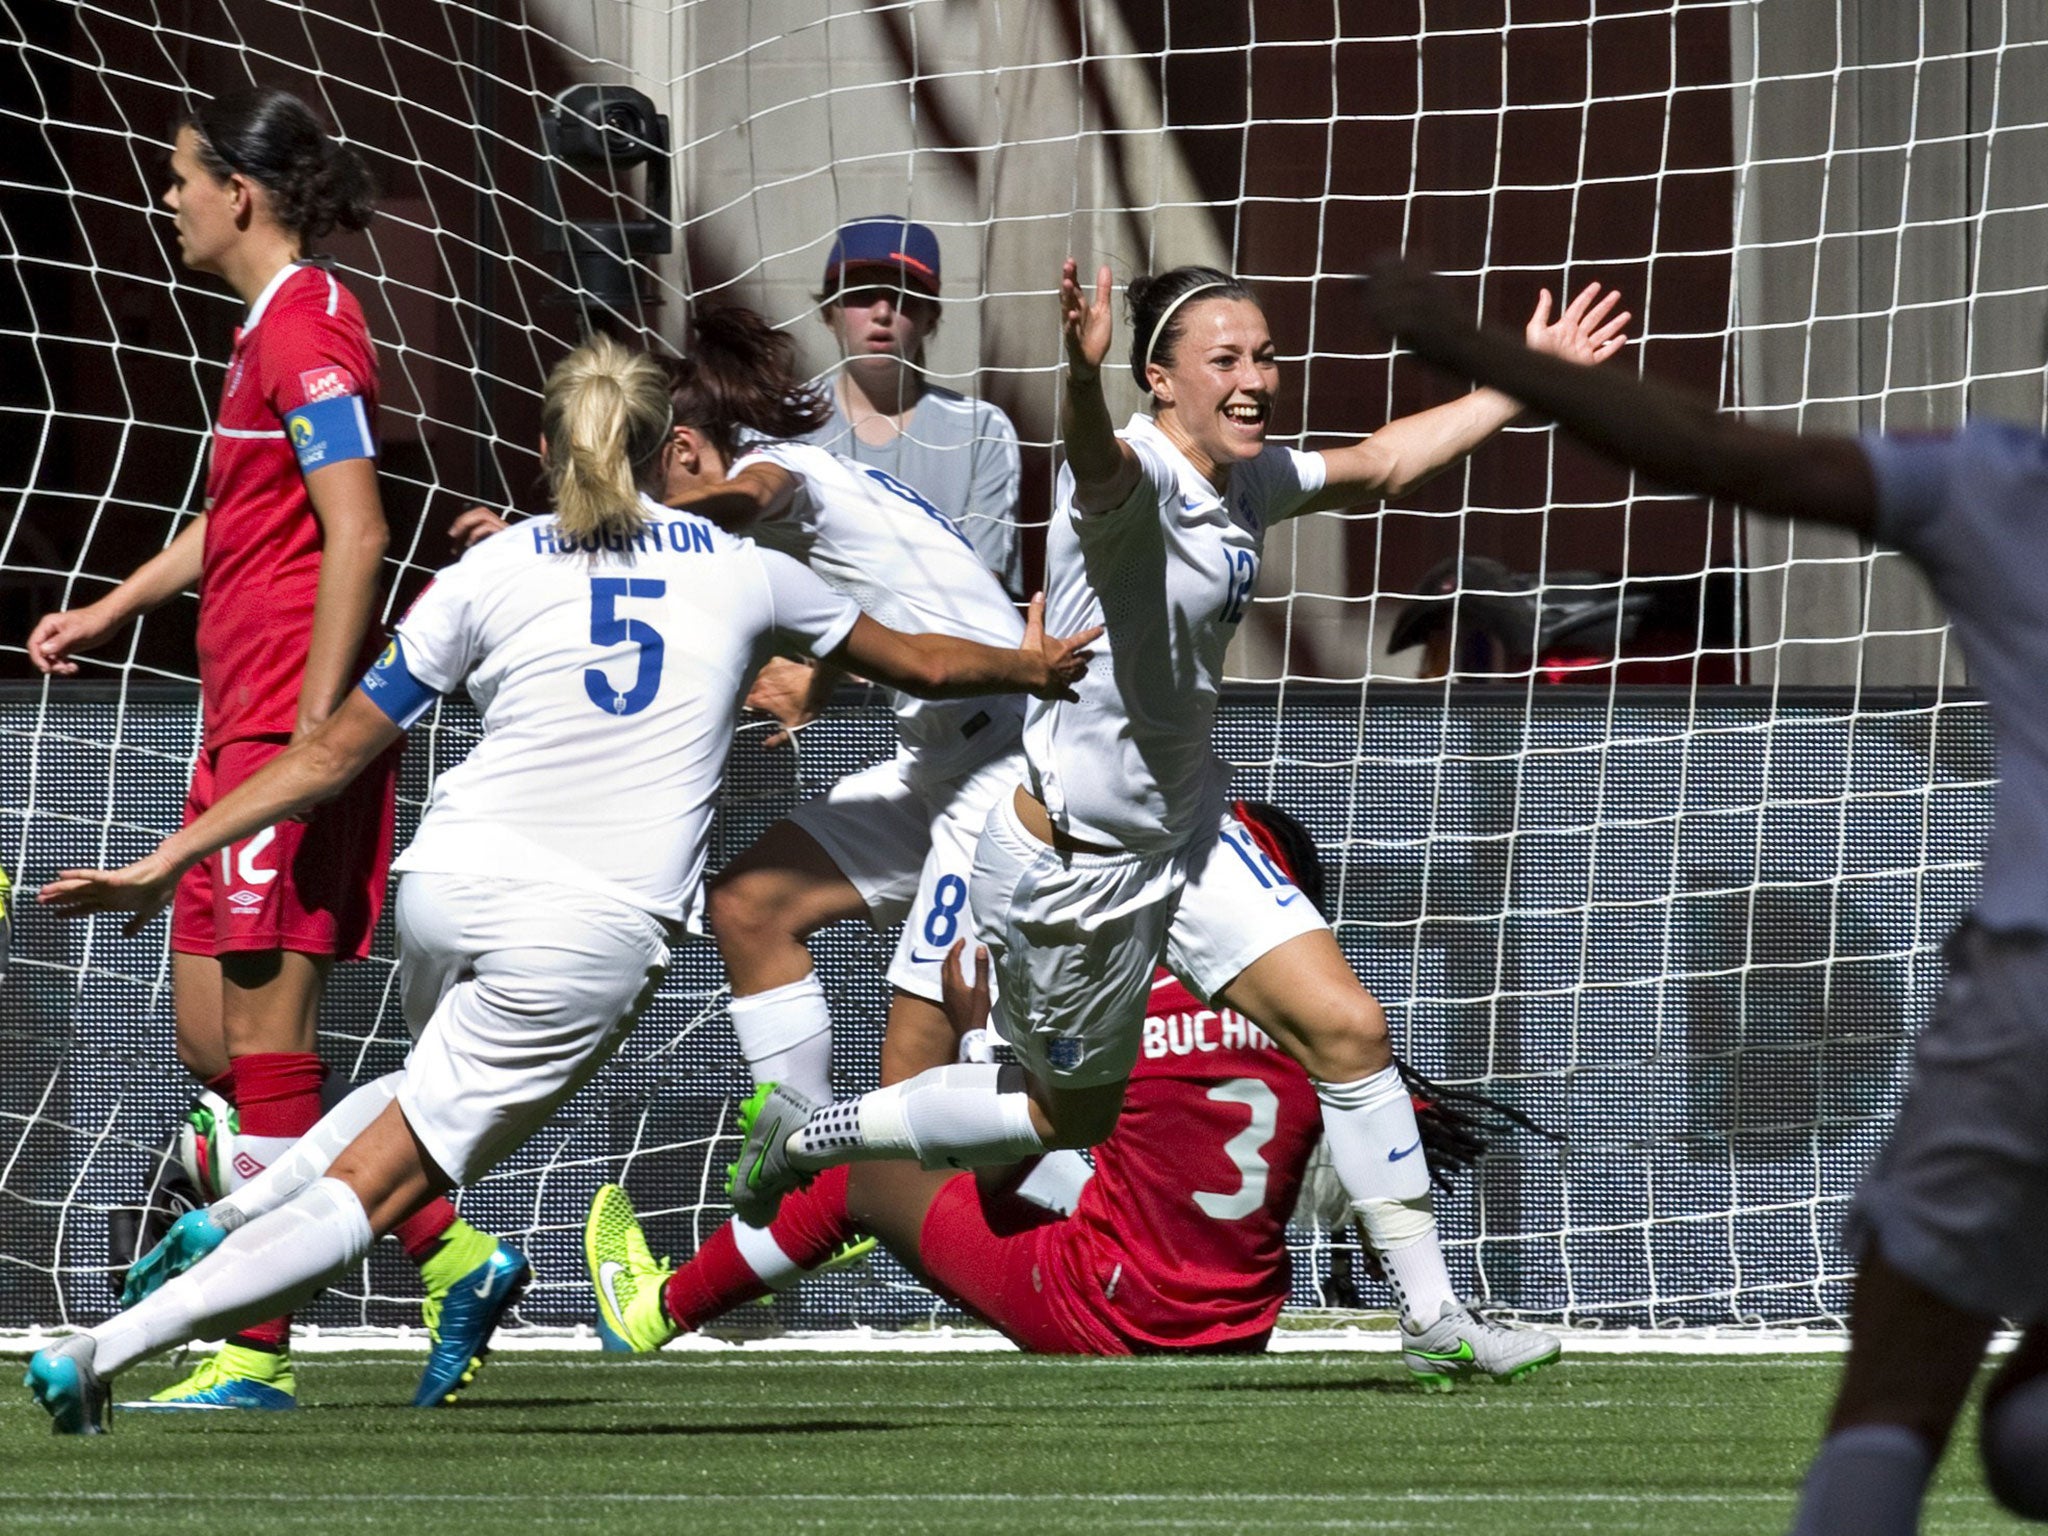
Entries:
{"x":786,"y":1036}
{"x":1056,"y":1180}
{"x":273,"y":1265}
{"x":310,"y":1156}
{"x":969,"y":1115}
{"x":1376,"y":1150}
{"x":764,"y":1256}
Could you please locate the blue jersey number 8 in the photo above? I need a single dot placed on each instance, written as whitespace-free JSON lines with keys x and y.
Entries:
{"x":608,"y":628}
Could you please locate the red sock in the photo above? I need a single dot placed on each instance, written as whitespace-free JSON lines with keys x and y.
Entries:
{"x":715,"y":1281}
{"x":224,"y":1085}
{"x":277,"y":1093}
{"x":812,"y":1222}
{"x":810,"y":1226}
{"x":270,"y":1337}
{"x":277,"y":1096}
{"x":420,"y":1231}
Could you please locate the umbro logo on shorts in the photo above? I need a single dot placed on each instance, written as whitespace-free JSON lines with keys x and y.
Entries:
{"x":245,"y":900}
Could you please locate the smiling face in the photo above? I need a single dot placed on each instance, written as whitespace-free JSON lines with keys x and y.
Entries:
{"x":207,"y":210}
{"x":1215,"y":393}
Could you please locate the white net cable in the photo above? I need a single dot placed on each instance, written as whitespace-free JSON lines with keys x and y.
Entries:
{"x":1643,"y":816}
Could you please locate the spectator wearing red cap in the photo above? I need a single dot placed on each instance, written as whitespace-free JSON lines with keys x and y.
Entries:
{"x":881,"y":301}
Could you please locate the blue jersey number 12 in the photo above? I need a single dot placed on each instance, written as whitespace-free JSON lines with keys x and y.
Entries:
{"x":608,"y":628}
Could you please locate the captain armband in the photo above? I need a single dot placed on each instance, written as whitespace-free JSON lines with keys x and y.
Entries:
{"x":391,"y":686}
{"x":324,"y":432}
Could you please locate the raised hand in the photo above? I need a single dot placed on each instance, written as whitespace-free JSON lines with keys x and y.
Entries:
{"x":1085,"y":324}
{"x":143,"y":888}
{"x":1588,"y":331}
{"x":1066,"y":660}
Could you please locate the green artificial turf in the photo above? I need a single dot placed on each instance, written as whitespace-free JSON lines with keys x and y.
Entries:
{"x":765,"y":1444}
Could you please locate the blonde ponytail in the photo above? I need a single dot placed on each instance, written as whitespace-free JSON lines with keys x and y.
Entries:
{"x":605,"y":415}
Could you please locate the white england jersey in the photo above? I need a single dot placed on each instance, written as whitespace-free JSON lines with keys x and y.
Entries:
{"x":872,"y":537}
{"x":609,"y":680}
{"x":1169,"y":574}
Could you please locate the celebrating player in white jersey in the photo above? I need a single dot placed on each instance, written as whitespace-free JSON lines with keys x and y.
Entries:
{"x":608,"y":648}
{"x":1110,"y":856}
{"x":895,"y":842}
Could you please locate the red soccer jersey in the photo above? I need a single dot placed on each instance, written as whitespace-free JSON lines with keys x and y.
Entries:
{"x":1180,"y":1239}
{"x":304,"y":341}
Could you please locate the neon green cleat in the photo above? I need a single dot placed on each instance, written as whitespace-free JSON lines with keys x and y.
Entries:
{"x":762,"y":1175}
{"x":848,"y":1255}
{"x":235,"y":1378}
{"x":625,"y":1276}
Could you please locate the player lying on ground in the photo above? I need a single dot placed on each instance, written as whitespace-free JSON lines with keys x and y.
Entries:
{"x":895,"y":841}
{"x":1112,"y":855}
{"x":286,"y":559}
{"x":608,"y":648}
{"x":1178,"y":1242}
{"x":1951,"y":1224}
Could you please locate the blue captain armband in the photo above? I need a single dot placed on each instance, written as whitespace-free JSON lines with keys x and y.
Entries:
{"x":324,"y":432}
{"x":391,"y":686}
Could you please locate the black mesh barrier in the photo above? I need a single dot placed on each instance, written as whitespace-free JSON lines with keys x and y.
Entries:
{"x":1690,"y":935}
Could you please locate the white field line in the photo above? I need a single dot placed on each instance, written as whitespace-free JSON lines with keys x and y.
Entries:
{"x":1018,"y":1500}
{"x":1730,"y":1342}
{"x":757,"y":1405}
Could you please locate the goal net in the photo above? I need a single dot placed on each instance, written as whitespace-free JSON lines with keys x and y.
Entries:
{"x":1643,"y":817}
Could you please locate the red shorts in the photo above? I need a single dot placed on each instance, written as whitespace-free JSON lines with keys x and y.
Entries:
{"x":314,"y":886}
{"x":1011,"y":1278}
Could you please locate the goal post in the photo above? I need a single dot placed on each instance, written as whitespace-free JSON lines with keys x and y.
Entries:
{"x":1683,"y":908}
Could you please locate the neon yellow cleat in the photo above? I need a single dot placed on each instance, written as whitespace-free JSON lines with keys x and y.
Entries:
{"x":235,"y":1378}
{"x":625,"y":1276}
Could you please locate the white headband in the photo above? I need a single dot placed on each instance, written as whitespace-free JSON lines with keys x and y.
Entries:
{"x":1168,"y":315}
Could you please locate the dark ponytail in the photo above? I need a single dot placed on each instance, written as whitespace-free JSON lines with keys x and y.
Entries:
{"x":273,"y":138}
{"x":1151,"y":297}
{"x":739,"y":375}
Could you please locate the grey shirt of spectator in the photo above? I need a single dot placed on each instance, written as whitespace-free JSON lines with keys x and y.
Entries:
{"x":961,"y":456}
{"x":1972,"y":512}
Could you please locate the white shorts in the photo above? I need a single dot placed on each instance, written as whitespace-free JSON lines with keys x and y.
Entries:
{"x":515,"y":993}
{"x":908,"y":847}
{"x":1237,"y":906}
{"x":1074,"y":938}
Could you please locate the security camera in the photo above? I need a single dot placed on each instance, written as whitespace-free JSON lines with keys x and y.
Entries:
{"x":594,"y":135}
{"x":608,"y":125}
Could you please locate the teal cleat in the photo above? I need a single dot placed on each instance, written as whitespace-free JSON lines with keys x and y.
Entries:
{"x":468,"y":1314}
{"x":62,"y":1380}
{"x":234,"y":1379}
{"x":192,"y":1237}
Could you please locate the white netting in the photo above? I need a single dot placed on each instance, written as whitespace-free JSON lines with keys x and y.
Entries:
{"x":1689,"y":925}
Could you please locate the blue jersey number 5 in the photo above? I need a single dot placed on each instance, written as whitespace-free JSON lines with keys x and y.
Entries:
{"x":607,"y":628}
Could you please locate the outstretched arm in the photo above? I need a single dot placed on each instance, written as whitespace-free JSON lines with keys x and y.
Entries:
{"x":1668,"y":435}
{"x":314,"y":768}
{"x":1105,"y":469}
{"x":1412,"y":449}
{"x":948,"y":667}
